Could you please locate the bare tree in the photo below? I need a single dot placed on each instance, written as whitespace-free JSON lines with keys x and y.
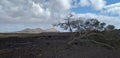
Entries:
{"x":67,"y":24}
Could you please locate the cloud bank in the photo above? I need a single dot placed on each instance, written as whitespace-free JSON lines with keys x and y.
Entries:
{"x":32,"y":11}
{"x":16,"y":14}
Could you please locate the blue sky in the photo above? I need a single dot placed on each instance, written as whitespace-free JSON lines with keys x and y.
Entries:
{"x":91,"y":10}
{"x":20,"y":14}
{"x":112,"y":1}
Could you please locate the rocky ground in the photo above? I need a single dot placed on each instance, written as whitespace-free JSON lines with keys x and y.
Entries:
{"x":51,"y":45}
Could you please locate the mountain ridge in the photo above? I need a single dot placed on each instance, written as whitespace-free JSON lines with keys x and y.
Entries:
{"x":37,"y":30}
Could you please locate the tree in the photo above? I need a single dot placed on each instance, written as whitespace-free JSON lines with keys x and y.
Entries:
{"x":102,"y":26}
{"x":110,"y":27}
{"x":94,"y":24}
{"x":67,"y":25}
{"x":80,"y":25}
{"x":77,"y":25}
{"x":84,"y":29}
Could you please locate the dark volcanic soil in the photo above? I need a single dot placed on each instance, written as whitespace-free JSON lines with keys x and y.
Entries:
{"x":51,"y":45}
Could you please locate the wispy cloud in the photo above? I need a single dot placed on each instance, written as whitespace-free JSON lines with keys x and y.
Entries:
{"x":95,"y":4}
{"x":113,"y":9}
{"x":107,"y":19}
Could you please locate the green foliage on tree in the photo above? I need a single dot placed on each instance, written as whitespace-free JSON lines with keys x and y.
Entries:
{"x":73,"y":24}
{"x":110,"y":27}
{"x":80,"y":24}
{"x":87,"y":30}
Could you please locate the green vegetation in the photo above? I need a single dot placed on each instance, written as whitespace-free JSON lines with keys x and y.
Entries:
{"x":92,"y":30}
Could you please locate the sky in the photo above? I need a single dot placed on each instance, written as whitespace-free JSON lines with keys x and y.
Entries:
{"x":20,"y":14}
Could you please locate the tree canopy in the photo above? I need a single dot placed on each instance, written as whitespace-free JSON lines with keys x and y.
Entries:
{"x":73,"y":25}
{"x":86,"y":30}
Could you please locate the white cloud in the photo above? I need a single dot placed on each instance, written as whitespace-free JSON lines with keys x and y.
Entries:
{"x":98,"y":4}
{"x":112,"y":9}
{"x":107,"y":19}
{"x":95,"y":4}
{"x":84,"y":3}
{"x":65,"y":3}
{"x":33,"y":11}
{"x":45,"y":12}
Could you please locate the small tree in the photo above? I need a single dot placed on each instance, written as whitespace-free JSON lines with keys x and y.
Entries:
{"x":110,"y":27}
{"x":94,"y":24}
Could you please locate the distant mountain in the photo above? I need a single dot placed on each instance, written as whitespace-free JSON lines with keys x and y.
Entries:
{"x":37,"y":30}
{"x":52,"y":30}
